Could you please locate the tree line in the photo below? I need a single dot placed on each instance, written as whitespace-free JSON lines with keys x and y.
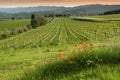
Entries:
{"x":112,"y":12}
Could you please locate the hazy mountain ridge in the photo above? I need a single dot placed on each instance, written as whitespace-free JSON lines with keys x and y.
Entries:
{"x":78,"y":10}
{"x":29,"y":9}
{"x":112,"y":12}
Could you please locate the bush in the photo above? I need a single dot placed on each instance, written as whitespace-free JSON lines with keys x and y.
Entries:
{"x":19,"y":30}
{"x":41,"y":20}
{"x":25,"y":29}
{"x":29,"y":26}
{"x":3,"y":36}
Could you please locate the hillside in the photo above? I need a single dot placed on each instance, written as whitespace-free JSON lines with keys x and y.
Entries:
{"x":64,"y":49}
{"x":63,"y":31}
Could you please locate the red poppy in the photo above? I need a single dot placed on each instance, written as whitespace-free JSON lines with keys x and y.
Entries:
{"x":70,"y":62}
{"x":59,"y":55}
{"x":84,"y":45}
{"x":91,"y":45}
{"x":81,"y":42}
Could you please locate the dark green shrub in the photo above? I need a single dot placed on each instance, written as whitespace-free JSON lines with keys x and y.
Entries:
{"x":3,"y":36}
{"x":34,"y":23}
{"x":25,"y":29}
{"x":41,"y":20}
{"x":19,"y":30}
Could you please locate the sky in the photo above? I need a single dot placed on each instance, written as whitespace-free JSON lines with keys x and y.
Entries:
{"x":67,"y":3}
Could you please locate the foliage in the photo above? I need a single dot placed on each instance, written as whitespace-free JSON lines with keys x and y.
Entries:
{"x":41,"y":20}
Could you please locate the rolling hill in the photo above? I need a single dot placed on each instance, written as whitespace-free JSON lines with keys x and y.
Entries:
{"x":63,"y":31}
{"x":64,"y":49}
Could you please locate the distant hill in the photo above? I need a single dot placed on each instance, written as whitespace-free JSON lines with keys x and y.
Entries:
{"x":29,"y":9}
{"x":112,"y":12}
{"x":78,"y":10}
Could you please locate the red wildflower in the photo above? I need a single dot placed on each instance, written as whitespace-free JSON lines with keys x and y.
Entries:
{"x":70,"y":62}
{"x":81,"y":42}
{"x":59,"y":55}
{"x":84,"y":46}
{"x":91,"y":45}
{"x":64,"y":54}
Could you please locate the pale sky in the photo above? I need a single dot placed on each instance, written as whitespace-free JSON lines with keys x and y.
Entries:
{"x":23,"y":3}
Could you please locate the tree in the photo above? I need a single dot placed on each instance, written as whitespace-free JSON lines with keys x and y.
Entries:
{"x":13,"y":18}
{"x":33,"y":21}
{"x":41,"y":20}
{"x":32,"y":16}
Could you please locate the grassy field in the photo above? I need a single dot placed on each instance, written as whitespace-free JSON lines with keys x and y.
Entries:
{"x":12,"y":24}
{"x":107,"y":16}
{"x":64,"y":49}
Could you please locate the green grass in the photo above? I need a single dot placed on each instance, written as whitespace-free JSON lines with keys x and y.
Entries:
{"x":102,"y":18}
{"x":98,"y":58}
{"x":12,"y":24}
{"x":33,"y":55}
{"x":107,"y":16}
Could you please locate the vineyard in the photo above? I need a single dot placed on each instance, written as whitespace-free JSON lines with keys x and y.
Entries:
{"x":63,"y":31}
{"x":77,"y":48}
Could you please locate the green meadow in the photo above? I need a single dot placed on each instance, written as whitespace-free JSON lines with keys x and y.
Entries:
{"x":76,"y":48}
{"x":12,"y":24}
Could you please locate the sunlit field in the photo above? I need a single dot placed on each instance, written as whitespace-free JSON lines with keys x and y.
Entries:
{"x":76,"y":48}
{"x":12,"y":24}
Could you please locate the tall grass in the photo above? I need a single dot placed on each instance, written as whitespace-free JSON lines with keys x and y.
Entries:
{"x":87,"y":61}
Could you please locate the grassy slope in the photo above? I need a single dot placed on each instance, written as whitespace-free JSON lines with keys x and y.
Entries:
{"x":101,"y":18}
{"x":108,"y":16}
{"x":12,"y":24}
{"x":63,"y":31}
{"x":13,"y":63}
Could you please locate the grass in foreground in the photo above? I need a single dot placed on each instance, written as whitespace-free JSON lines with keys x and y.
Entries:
{"x":86,"y":62}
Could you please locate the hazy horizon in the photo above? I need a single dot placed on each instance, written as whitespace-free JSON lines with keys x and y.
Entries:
{"x":66,"y":3}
